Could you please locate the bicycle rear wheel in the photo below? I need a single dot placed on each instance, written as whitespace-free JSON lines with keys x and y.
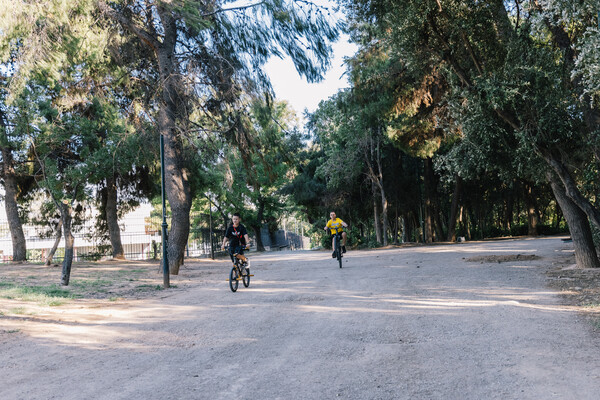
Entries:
{"x":233,"y":279}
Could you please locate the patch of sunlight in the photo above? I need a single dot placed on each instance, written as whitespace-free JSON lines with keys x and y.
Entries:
{"x":119,"y":326}
{"x":405,"y":305}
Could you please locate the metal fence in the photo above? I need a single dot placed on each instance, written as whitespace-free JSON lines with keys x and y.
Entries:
{"x":141,"y":241}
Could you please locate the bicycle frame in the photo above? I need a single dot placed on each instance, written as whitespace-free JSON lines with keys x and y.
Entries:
{"x":238,"y":272}
{"x":337,"y":240}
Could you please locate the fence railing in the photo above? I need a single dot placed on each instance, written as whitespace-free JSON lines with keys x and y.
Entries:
{"x":140,"y":242}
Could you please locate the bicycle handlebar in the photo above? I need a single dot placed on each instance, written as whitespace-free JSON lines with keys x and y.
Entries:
{"x":246,"y":247}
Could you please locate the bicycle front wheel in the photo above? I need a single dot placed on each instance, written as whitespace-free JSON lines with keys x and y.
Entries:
{"x":338,"y":250}
{"x":246,"y":276}
{"x":233,"y":279}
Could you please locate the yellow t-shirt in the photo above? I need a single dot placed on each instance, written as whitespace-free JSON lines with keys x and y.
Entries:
{"x":335,"y":225}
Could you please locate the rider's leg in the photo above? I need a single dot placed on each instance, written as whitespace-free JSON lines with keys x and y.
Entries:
{"x":241,"y":257}
{"x":239,"y":253}
{"x":333,"y":246}
{"x":343,"y":242}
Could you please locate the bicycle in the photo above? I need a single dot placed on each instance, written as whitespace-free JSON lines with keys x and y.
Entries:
{"x":337,"y":247}
{"x":239,"y":271}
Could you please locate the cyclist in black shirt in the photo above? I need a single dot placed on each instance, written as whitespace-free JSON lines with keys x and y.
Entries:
{"x":238,"y":238}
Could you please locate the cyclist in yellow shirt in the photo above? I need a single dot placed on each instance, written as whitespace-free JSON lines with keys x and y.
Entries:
{"x":334,"y":225}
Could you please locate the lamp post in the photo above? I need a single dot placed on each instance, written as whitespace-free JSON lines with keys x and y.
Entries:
{"x":210,"y":229}
{"x":165,"y":256}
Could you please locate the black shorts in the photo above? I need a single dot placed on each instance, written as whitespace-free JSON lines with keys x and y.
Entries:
{"x":236,"y":250}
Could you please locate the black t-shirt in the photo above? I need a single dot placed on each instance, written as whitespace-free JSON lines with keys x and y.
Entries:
{"x":236,"y":235}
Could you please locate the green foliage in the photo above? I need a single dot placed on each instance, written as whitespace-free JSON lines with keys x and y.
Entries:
{"x":481,"y":87}
{"x":431,"y":80}
{"x":251,"y":183}
{"x":340,"y":138}
{"x":55,"y":37}
{"x":76,"y":117}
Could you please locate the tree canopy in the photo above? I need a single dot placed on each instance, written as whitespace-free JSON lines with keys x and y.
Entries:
{"x":463,"y":118}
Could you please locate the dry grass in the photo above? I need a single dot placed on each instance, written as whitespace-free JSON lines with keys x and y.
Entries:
{"x":28,"y":288}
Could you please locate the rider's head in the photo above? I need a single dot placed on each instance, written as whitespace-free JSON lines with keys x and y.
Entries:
{"x":332,"y":215}
{"x":236,"y":219}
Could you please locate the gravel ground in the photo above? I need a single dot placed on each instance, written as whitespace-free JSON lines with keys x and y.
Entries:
{"x":465,"y":321}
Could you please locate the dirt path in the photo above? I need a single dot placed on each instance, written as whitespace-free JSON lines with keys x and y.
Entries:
{"x":409,"y":323}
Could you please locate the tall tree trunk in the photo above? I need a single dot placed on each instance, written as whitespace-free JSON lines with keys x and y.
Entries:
{"x":180,"y":200}
{"x":557,"y":217}
{"x":226,"y":222}
{"x":257,"y":232}
{"x":571,"y":187}
{"x":464,"y":220}
{"x":384,"y":216}
{"x":417,"y":225}
{"x":112,"y":220}
{"x":508,"y":210}
{"x":259,"y":218}
{"x":406,"y":228}
{"x":10,"y":203}
{"x":432,"y":200}
{"x":454,"y":209}
{"x":384,"y":202}
{"x":396,"y":226}
{"x":66,"y":213}
{"x":52,"y":251}
{"x":172,"y":117}
{"x":427,"y":206}
{"x":376,"y":213}
{"x":579,"y":227}
{"x":502,"y":21}
{"x":172,"y":111}
{"x":428,"y":221}
{"x":532,"y":212}
{"x":371,"y":155}
{"x":385,"y":220}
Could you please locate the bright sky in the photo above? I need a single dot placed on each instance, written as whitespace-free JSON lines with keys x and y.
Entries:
{"x":288,"y":85}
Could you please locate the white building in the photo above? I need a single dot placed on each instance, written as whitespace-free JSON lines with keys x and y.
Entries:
{"x":139,"y":238}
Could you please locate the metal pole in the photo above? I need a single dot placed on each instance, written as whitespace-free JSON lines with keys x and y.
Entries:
{"x":212,"y":249}
{"x":165,"y":257}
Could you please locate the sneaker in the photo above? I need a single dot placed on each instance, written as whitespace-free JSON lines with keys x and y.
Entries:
{"x":343,"y":249}
{"x":333,"y":255}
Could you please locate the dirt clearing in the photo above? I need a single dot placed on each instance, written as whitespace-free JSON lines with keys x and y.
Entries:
{"x":463,"y":321}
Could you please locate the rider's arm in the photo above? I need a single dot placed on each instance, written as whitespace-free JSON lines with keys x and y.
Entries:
{"x":326,"y":226}
{"x":247,"y":238}
{"x":345,"y":225}
{"x":224,"y":242}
